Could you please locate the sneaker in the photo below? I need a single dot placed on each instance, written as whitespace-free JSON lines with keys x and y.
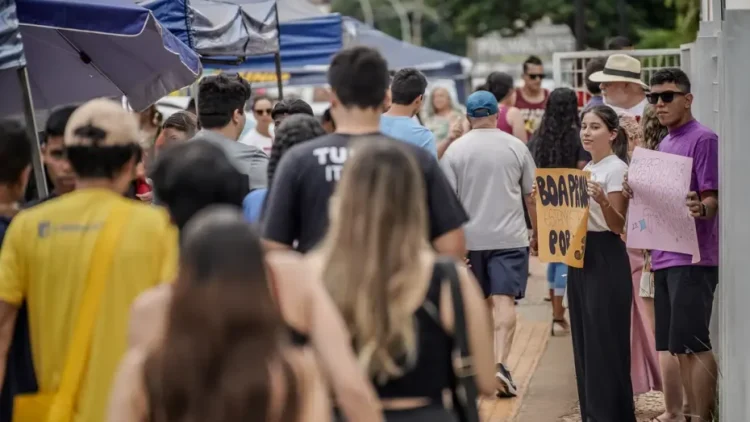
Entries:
{"x":508,"y":387}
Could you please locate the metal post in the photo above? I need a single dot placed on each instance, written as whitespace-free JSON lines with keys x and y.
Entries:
{"x":580,"y":24}
{"x":36,"y":150}
{"x":277,"y":54}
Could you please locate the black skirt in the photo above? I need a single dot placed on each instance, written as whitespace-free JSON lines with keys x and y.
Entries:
{"x":600,"y":297}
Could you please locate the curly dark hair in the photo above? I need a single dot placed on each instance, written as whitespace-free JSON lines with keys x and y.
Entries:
{"x":556,"y":140}
{"x":294,"y":130}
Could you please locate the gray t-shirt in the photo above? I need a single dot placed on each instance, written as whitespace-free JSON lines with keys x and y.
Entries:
{"x":248,"y":159}
{"x":491,"y":172}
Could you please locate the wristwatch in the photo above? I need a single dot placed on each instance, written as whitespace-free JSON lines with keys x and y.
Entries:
{"x":703,"y":209}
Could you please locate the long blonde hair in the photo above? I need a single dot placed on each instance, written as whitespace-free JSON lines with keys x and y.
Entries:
{"x":377,"y":232}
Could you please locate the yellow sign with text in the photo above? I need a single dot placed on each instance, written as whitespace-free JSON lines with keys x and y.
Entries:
{"x":562,"y":208}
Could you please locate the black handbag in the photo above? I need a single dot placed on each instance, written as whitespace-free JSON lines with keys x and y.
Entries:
{"x":464,"y":388}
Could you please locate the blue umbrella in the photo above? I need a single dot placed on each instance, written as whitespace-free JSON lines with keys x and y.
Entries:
{"x":77,"y":50}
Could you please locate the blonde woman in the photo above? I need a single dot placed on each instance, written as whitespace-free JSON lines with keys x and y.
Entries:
{"x":441,"y":114}
{"x":382,"y":273}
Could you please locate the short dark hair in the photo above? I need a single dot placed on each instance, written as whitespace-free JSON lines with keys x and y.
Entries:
{"x":290,"y":107}
{"x":407,"y":85}
{"x":532,"y":60}
{"x":593,"y":66}
{"x":619,"y":42}
{"x":58,"y":119}
{"x":500,"y":84}
{"x":218,"y":98}
{"x":15,"y":151}
{"x":481,"y":87}
{"x":671,"y":75}
{"x":186,"y":191}
{"x":293,"y":130}
{"x":93,"y":162}
{"x":359,"y":77}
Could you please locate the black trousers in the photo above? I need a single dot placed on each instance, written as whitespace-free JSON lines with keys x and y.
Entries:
{"x":600,"y":297}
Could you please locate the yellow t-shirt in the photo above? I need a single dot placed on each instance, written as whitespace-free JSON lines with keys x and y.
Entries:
{"x":45,"y":259}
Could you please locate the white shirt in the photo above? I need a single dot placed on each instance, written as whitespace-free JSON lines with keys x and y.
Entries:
{"x":636,"y":110}
{"x":609,"y":173}
{"x":259,"y":141}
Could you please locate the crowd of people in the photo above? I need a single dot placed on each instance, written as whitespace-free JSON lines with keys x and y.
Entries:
{"x":361,"y":266}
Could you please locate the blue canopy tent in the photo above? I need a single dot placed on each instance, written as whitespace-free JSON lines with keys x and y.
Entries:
{"x":72,"y":54}
{"x":399,"y":54}
{"x":306,"y":46}
{"x":306,"y":36}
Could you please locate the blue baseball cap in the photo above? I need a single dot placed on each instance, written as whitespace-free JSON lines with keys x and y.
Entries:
{"x":481,"y":104}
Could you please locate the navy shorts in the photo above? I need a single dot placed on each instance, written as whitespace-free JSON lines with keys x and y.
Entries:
{"x":501,"y":271}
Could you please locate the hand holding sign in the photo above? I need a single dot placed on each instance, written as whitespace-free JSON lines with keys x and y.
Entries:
{"x":694,"y":204}
{"x":627,"y":192}
{"x":562,"y":212}
{"x":596,"y":192}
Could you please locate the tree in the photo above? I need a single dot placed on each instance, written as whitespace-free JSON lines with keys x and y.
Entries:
{"x":685,"y":28}
{"x":454,"y":20}
{"x":435,"y":32}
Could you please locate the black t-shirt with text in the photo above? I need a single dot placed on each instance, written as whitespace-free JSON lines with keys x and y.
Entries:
{"x":297,"y":204}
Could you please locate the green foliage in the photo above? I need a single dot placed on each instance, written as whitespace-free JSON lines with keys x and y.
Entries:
{"x":684,"y":30}
{"x":654,"y":22}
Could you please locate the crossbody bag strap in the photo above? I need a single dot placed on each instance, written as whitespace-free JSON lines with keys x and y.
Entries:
{"x":99,"y":271}
{"x":465,"y":391}
{"x":460,"y":339}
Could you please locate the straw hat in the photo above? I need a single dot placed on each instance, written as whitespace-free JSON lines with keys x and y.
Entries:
{"x":620,"y":68}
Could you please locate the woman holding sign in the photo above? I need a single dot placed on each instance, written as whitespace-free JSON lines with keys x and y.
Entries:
{"x":600,"y":294}
{"x":557,"y":144}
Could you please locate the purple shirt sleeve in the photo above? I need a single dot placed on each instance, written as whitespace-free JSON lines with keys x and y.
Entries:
{"x":706,"y":163}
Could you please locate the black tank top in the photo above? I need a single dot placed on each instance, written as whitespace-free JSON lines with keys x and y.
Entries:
{"x":433,"y":370}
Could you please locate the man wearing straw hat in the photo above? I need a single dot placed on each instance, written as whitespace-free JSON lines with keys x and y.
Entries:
{"x":621,"y":84}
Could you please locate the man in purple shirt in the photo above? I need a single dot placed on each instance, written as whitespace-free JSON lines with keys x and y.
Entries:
{"x":684,"y":292}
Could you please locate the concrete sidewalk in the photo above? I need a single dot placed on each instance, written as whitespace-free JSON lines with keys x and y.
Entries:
{"x":542,"y":367}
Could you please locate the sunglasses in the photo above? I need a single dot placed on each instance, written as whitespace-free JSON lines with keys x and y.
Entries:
{"x":262,"y":112}
{"x":535,"y":76}
{"x":666,"y":96}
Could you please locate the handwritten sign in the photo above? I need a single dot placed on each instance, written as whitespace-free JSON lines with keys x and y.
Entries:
{"x":657,"y":215}
{"x":562,"y":207}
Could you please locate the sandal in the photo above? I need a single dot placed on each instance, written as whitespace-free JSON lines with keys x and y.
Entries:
{"x":560,"y":327}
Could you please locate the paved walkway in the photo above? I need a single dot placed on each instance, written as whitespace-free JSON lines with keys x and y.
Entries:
{"x":542,"y":367}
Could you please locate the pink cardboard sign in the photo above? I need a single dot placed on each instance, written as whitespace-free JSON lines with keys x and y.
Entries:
{"x":657,"y":215}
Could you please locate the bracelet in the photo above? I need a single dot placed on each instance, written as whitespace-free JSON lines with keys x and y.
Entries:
{"x":607,"y":204}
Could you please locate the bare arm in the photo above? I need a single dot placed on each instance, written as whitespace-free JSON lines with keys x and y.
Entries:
{"x":531,"y":207}
{"x":270,"y":245}
{"x":332,"y":344}
{"x":128,"y":401}
{"x":306,"y":306}
{"x":478,"y":327}
{"x":614,"y":209}
{"x":8,"y":314}
{"x":516,"y":122}
{"x":148,"y":316}
{"x":452,"y":244}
